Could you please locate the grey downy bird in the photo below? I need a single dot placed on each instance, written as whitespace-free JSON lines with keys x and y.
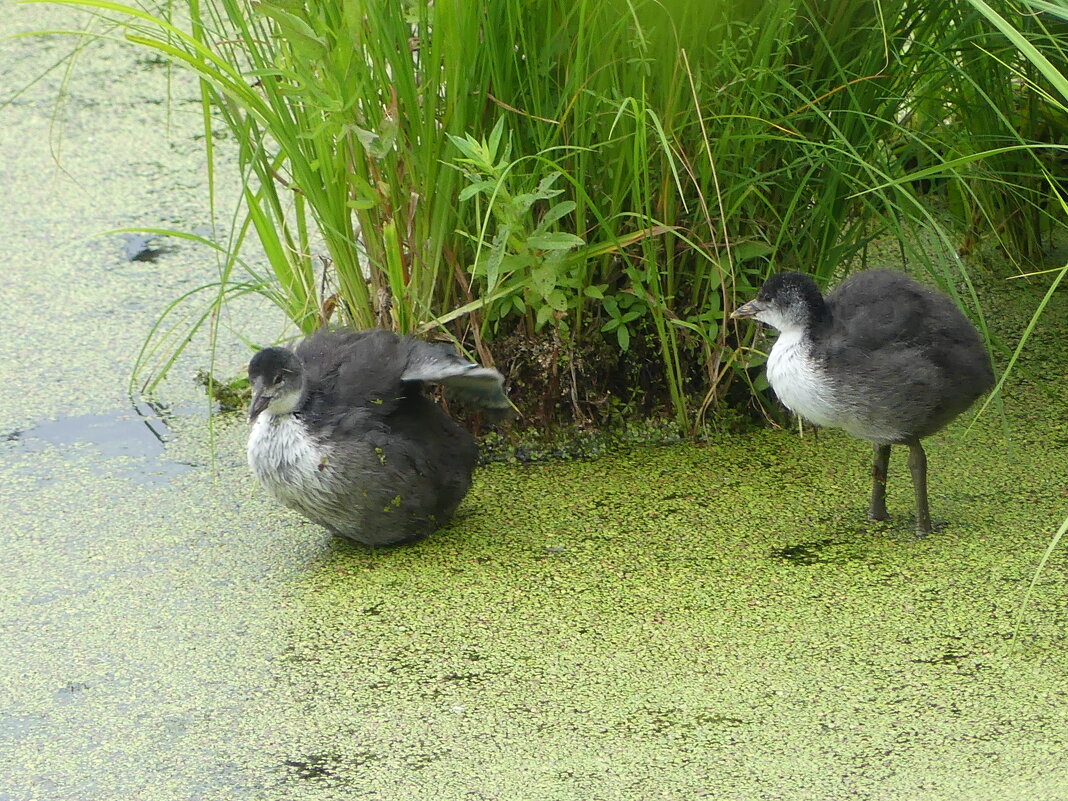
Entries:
{"x":343,"y":432}
{"x":882,"y":357}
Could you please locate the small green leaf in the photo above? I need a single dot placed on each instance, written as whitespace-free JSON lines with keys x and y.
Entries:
{"x":290,"y":5}
{"x":366,"y":138}
{"x":521,"y":203}
{"x":296,"y":31}
{"x":689,"y":326}
{"x":468,"y":147}
{"x":544,"y":313}
{"x":556,"y":211}
{"x":559,"y":240}
{"x":387,"y":137}
{"x":745,"y":251}
{"x":475,"y":188}
{"x":545,"y":187}
{"x":557,"y":300}
{"x":543,"y":278}
{"x":495,"y":140}
{"x":365,"y":195}
{"x":493,"y":263}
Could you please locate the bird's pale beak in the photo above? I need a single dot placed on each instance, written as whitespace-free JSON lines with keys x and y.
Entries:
{"x":259,"y":403}
{"x":750,"y":309}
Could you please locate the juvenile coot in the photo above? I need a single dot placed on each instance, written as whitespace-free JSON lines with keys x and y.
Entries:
{"x":882,"y":357}
{"x":343,"y":433}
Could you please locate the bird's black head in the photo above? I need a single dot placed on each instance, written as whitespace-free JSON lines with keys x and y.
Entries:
{"x":787,"y":301}
{"x":277,"y":379}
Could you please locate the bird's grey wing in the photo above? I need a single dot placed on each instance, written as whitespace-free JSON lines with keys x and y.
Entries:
{"x":466,"y":381}
{"x":353,"y":378}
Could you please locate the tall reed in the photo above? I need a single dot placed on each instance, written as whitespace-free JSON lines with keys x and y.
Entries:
{"x":603,"y":176}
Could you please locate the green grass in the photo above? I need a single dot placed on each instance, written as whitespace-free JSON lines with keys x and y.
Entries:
{"x":609,"y":177}
{"x":1048,"y":85}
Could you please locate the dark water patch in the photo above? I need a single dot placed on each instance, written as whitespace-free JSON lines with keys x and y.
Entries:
{"x":827,"y":551}
{"x":719,"y":720}
{"x":142,"y":247}
{"x":70,"y":693}
{"x":113,"y":439}
{"x":945,"y":659}
{"x":374,"y":609}
{"x":327,"y":767}
{"x":424,"y":759}
{"x":314,"y":766}
{"x":152,"y":61}
{"x":294,"y":655}
{"x":665,"y":720}
{"x":951,"y":653}
{"x":469,"y":679}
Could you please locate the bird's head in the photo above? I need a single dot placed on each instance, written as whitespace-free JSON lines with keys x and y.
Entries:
{"x":277,"y":379}
{"x":787,"y":301}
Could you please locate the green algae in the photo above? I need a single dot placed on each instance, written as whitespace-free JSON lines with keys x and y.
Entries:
{"x":700,"y":620}
{"x":643,"y":635}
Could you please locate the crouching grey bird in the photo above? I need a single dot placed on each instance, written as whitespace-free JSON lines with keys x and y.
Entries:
{"x":882,"y":357}
{"x":343,"y":432}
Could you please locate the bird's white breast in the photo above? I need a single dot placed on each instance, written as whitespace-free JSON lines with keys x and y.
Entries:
{"x":806,"y":388}
{"x":799,"y":382}
{"x":288,"y":462}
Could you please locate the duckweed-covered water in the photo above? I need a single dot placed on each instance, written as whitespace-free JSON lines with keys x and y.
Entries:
{"x":714,"y":620}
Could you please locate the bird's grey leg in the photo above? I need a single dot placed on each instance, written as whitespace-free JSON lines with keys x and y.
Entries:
{"x":918,"y":468}
{"x":877,"y":510}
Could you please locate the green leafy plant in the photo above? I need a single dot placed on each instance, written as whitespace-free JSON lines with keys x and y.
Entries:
{"x":1049,"y":86}
{"x":539,"y":265}
{"x":612,"y":176}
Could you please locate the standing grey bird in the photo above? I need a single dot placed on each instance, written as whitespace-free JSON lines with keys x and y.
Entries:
{"x":882,"y":357}
{"x":343,"y":433}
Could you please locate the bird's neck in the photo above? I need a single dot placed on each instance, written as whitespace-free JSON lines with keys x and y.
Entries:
{"x":806,"y":322}
{"x":818,"y":318}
